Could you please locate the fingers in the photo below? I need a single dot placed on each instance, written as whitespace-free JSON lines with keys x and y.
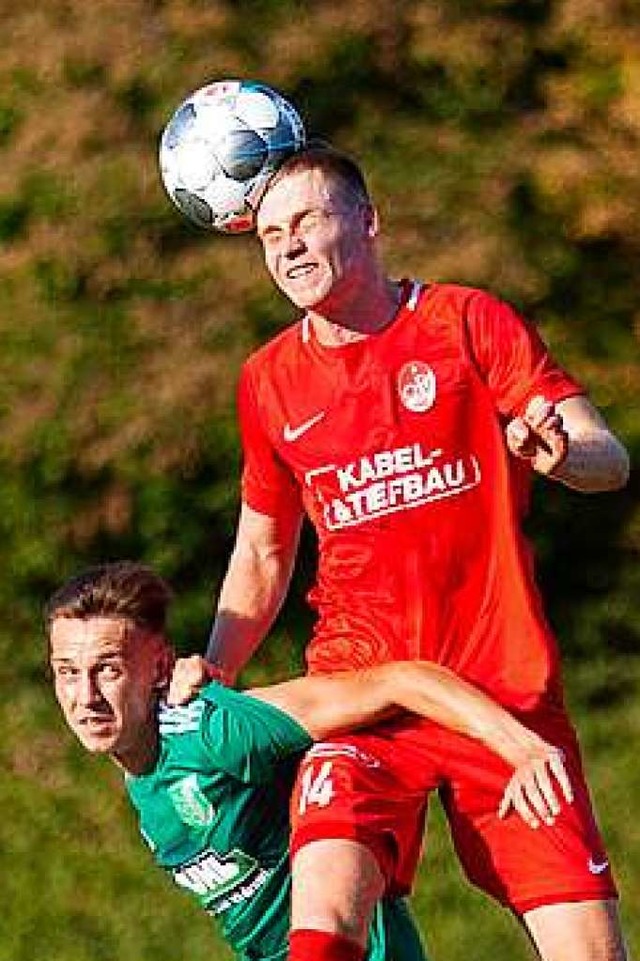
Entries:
{"x":530,"y":801}
{"x":558,"y":769}
{"x":189,"y":675}
{"x":538,"y":435}
{"x":532,"y":793}
{"x":541,"y":415}
{"x":520,"y":438}
{"x":542,"y":418}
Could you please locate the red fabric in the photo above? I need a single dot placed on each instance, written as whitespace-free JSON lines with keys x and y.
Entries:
{"x":305,"y":945}
{"x":395,"y":447}
{"x":372,"y":787}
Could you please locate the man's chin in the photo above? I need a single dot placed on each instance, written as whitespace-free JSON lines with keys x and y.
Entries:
{"x":96,"y":745}
{"x":303,"y":301}
{"x":305,"y":296}
{"x":100,"y":741}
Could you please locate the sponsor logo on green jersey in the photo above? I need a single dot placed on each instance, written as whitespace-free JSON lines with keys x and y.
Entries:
{"x":220,"y":880}
{"x":191,"y":803}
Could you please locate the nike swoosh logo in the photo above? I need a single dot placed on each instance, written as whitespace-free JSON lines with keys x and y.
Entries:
{"x":294,"y":433}
{"x":597,"y":867}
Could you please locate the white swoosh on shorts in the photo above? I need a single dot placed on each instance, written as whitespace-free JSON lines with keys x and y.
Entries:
{"x":597,"y":867}
{"x":294,"y":433}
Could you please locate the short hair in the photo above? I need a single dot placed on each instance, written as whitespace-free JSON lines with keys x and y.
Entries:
{"x":318,"y":155}
{"x":120,"y":589}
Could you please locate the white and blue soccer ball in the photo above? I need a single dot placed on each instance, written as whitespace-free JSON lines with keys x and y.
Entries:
{"x":221,"y":147}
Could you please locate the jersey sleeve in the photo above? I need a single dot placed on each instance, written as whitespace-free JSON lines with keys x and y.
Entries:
{"x":268,"y":486}
{"x":246,"y":737}
{"x":511,"y":357}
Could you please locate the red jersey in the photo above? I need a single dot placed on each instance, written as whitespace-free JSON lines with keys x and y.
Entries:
{"x":394,"y":446}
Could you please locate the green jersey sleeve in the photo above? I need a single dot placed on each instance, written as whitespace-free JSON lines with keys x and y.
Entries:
{"x":246,"y":737}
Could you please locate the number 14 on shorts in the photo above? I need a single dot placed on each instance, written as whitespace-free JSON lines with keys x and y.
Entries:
{"x":316,"y":787}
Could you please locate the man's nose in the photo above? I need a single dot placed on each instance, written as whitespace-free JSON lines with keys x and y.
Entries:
{"x":293,"y":243}
{"x":87,"y":689}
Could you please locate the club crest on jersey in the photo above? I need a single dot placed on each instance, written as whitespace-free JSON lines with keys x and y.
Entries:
{"x":417,"y":386}
{"x":191,"y":804}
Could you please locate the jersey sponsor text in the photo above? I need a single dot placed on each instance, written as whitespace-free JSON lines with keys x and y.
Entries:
{"x":220,"y":881}
{"x":389,"y":481}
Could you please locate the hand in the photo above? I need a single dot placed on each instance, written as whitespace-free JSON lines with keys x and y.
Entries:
{"x":189,"y":675}
{"x":531,"y":791}
{"x":538,"y":436}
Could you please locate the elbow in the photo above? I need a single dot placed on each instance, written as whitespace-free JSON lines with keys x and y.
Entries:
{"x":603,"y":467}
{"x":619,"y":473}
{"x":624,"y":470}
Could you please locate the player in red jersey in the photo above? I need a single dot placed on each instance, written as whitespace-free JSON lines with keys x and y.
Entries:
{"x":406,"y":420}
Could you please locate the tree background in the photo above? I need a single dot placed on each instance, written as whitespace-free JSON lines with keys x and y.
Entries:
{"x":501,"y":141}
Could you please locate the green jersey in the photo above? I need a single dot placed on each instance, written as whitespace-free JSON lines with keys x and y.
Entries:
{"x":215,"y":813}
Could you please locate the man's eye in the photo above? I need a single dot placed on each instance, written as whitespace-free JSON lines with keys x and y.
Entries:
{"x":309,"y":222}
{"x":271,"y":239}
{"x":111,"y":671}
{"x":65,"y":670}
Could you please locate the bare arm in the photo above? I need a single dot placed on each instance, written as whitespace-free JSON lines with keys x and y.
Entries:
{"x":325,"y":705}
{"x":596,"y":460}
{"x":254,"y":587}
{"x":571,"y":442}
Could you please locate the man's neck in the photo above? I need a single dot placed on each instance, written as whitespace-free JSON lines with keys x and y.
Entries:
{"x":364,"y":315}
{"x":141,"y":757}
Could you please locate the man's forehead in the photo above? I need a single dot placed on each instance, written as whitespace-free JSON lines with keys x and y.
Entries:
{"x":296,"y":191}
{"x":72,"y":634}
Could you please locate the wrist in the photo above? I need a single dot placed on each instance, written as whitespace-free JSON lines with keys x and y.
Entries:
{"x":215,"y":672}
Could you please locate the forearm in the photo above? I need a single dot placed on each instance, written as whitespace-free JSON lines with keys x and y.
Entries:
{"x":251,"y":596}
{"x":570,"y":442}
{"x":236,"y":633}
{"x":250,"y":599}
{"x":328,"y":704}
{"x":539,"y":779}
{"x":594,"y":462}
{"x":437,"y":693}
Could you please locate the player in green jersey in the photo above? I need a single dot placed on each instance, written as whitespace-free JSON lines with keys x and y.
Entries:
{"x":211,"y":780}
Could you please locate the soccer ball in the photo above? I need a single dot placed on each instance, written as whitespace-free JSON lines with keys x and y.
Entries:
{"x":220,"y":148}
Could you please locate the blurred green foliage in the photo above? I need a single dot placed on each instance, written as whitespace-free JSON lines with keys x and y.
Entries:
{"x":501,"y":141}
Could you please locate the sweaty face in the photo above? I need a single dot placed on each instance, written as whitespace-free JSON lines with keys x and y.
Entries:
{"x":106,"y":675}
{"x":317,"y":240}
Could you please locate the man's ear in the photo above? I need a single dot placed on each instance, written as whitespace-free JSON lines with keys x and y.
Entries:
{"x":164,"y":667}
{"x":372,"y":220}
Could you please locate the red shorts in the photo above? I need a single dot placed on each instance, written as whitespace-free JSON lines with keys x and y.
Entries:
{"x":373,"y":787}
